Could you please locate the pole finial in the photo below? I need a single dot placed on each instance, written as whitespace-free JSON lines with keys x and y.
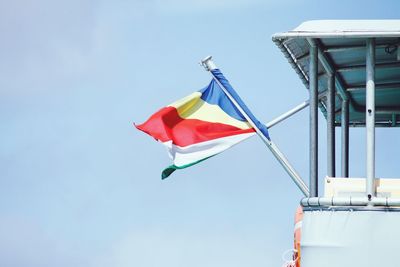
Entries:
{"x":208,"y":64}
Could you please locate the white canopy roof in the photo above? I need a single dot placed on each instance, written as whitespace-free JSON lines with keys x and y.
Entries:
{"x":342,"y":51}
{"x":344,"y":28}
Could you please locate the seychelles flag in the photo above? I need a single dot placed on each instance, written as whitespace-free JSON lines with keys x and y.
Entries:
{"x":201,"y":125}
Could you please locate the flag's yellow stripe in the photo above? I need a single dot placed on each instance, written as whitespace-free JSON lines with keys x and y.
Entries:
{"x":193,"y":107}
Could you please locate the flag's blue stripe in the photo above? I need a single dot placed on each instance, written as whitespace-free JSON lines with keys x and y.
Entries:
{"x":213,"y":94}
{"x":218,"y":74}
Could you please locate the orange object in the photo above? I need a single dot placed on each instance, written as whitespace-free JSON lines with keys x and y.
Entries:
{"x":298,"y":220}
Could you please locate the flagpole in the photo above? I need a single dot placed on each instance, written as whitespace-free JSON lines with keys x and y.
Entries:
{"x":209,"y":65}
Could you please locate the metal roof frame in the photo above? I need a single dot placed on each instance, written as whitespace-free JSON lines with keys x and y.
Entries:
{"x":341,"y":51}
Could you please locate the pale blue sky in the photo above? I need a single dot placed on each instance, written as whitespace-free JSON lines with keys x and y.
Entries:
{"x":79,"y":186}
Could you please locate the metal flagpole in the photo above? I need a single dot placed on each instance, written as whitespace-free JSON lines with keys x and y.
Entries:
{"x":209,"y":65}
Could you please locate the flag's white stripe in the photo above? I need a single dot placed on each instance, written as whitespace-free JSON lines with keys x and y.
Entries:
{"x":192,"y":153}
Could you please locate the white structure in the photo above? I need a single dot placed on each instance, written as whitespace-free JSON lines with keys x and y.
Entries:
{"x":354,"y":65}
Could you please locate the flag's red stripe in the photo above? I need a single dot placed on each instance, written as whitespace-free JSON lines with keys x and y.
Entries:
{"x":166,"y":125}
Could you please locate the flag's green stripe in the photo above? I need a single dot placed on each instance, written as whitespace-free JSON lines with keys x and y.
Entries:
{"x":170,"y":169}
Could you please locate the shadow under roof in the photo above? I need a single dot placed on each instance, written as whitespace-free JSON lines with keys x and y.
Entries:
{"x":342,"y":50}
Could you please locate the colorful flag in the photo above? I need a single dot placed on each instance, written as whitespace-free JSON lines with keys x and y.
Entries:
{"x":199,"y":126}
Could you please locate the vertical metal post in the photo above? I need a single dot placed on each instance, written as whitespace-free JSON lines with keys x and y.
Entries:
{"x":370,"y":116}
{"x":313,"y":79}
{"x":330,"y":120}
{"x":345,"y":138}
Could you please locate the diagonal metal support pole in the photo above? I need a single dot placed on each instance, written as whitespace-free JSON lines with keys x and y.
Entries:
{"x":209,"y":65}
{"x":291,"y":112}
{"x":287,"y":114}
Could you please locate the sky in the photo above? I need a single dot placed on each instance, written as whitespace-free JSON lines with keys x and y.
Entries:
{"x":80,"y":186}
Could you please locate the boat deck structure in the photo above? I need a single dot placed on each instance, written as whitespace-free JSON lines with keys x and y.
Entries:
{"x":351,"y":69}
